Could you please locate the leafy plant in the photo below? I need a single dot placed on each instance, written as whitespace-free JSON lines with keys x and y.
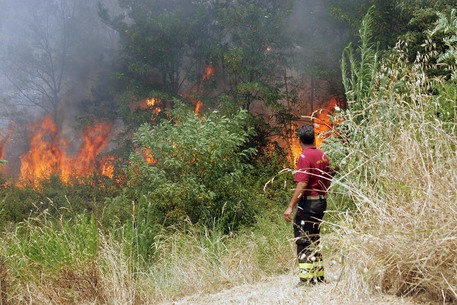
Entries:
{"x":197,"y":166}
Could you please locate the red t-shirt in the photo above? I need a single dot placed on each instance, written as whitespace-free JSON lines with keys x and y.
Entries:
{"x":313,"y":168}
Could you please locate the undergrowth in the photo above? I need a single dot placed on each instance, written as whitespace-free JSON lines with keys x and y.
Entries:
{"x":396,"y":152}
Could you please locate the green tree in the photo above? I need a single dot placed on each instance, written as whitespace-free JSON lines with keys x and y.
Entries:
{"x":165,"y":46}
{"x":393,"y":20}
{"x":160,"y":41}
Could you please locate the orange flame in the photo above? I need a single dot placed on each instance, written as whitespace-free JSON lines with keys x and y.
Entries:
{"x":154,"y":105}
{"x":150,"y":102}
{"x":107,"y":166}
{"x":322,"y":127}
{"x":147,"y":155}
{"x":209,"y":71}
{"x":198,"y":106}
{"x":322,"y":122}
{"x":95,"y":139}
{"x":294,"y":146}
{"x":47,"y":156}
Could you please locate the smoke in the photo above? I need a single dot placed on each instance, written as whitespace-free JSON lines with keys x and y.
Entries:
{"x":53,"y":52}
{"x":50,"y":57}
{"x":319,"y":38}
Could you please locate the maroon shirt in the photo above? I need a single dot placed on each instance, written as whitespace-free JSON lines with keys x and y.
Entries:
{"x":313,"y":169}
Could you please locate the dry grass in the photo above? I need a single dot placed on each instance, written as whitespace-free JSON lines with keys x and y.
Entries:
{"x":402,"y":178}
{"x":206,"y":262}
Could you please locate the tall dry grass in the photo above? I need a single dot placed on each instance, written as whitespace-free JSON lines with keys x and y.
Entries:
{"x":206,"y":261}
{"x":400,"y":174}
{"x":196,"y":261}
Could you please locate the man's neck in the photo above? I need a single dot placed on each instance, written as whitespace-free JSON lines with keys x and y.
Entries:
{"x":305,"y":146}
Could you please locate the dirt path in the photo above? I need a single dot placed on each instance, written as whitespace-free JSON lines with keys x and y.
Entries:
{"x":282,"y":290}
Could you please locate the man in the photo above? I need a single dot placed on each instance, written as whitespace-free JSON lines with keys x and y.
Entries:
{"x":313,"y":178}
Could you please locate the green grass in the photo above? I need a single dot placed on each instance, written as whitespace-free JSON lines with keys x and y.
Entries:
{"x":72,"y":260}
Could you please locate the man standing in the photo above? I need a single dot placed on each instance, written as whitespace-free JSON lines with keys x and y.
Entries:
{"x":313,"y":178}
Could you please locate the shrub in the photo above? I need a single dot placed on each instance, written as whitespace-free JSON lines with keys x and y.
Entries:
{"x":197,"y":168}
{"x":187,"y":169}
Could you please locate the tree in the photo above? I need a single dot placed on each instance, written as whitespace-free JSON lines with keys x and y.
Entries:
{"x":393,"y":20}
{"x":252,"y":51}
{"x":318,"y":39}
{"x":53,"y":58}
{"x":160,"y":42}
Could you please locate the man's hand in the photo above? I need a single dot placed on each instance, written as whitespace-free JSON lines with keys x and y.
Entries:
{"x":299,"y":189}
{"x":288,"y":214}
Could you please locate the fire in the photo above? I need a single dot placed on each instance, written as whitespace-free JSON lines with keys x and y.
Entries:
{"x":209,"y":71}
{"x":147,"y":155}
{"x":322,"y":122}
{"x":95,"y":138}
{"x":47,"y":155}
{"x":322,"y":128}
{"x":198,"y":106}
{"x":107,"y":166}
{"x":294,"y":143}
{"x":150,"y":102}
{"x":153,"y":104}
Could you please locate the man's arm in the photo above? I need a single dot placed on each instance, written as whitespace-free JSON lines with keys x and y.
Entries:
{"x":299,"y":190}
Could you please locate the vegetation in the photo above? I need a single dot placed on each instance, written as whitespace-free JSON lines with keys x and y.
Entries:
{"x":395,"y":153}
{"x":195,"y":212}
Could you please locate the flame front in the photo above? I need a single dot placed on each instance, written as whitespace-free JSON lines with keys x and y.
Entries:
{"x":198,"y":106}
{"x":295,"y":147}
{"x":147,"y":155}
{"x":47,"y":156}
{"x":322,"y":122}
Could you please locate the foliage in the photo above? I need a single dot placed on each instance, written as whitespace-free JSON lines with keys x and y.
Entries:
{"x":186,"y":169}
{"x":405,"y":20}
{"x":56,"y":198}
{"x":55,"y":43}
{"x":358,"y":69}
{"x":166,"y":46}
{"x":446,"y":25}
{"x":254,"y":42}
{"x":55,"y":260}
{"x":52,"y":244}
{"x":198,"y":166}
{"x":395,"y":152}
{"x":317,"y":39}
{"x":156,"y":39}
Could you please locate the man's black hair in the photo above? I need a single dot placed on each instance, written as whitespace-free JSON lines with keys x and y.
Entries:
{"x":306,"y":134}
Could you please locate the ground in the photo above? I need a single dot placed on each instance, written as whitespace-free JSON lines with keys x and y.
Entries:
{"x":282,"y":290}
